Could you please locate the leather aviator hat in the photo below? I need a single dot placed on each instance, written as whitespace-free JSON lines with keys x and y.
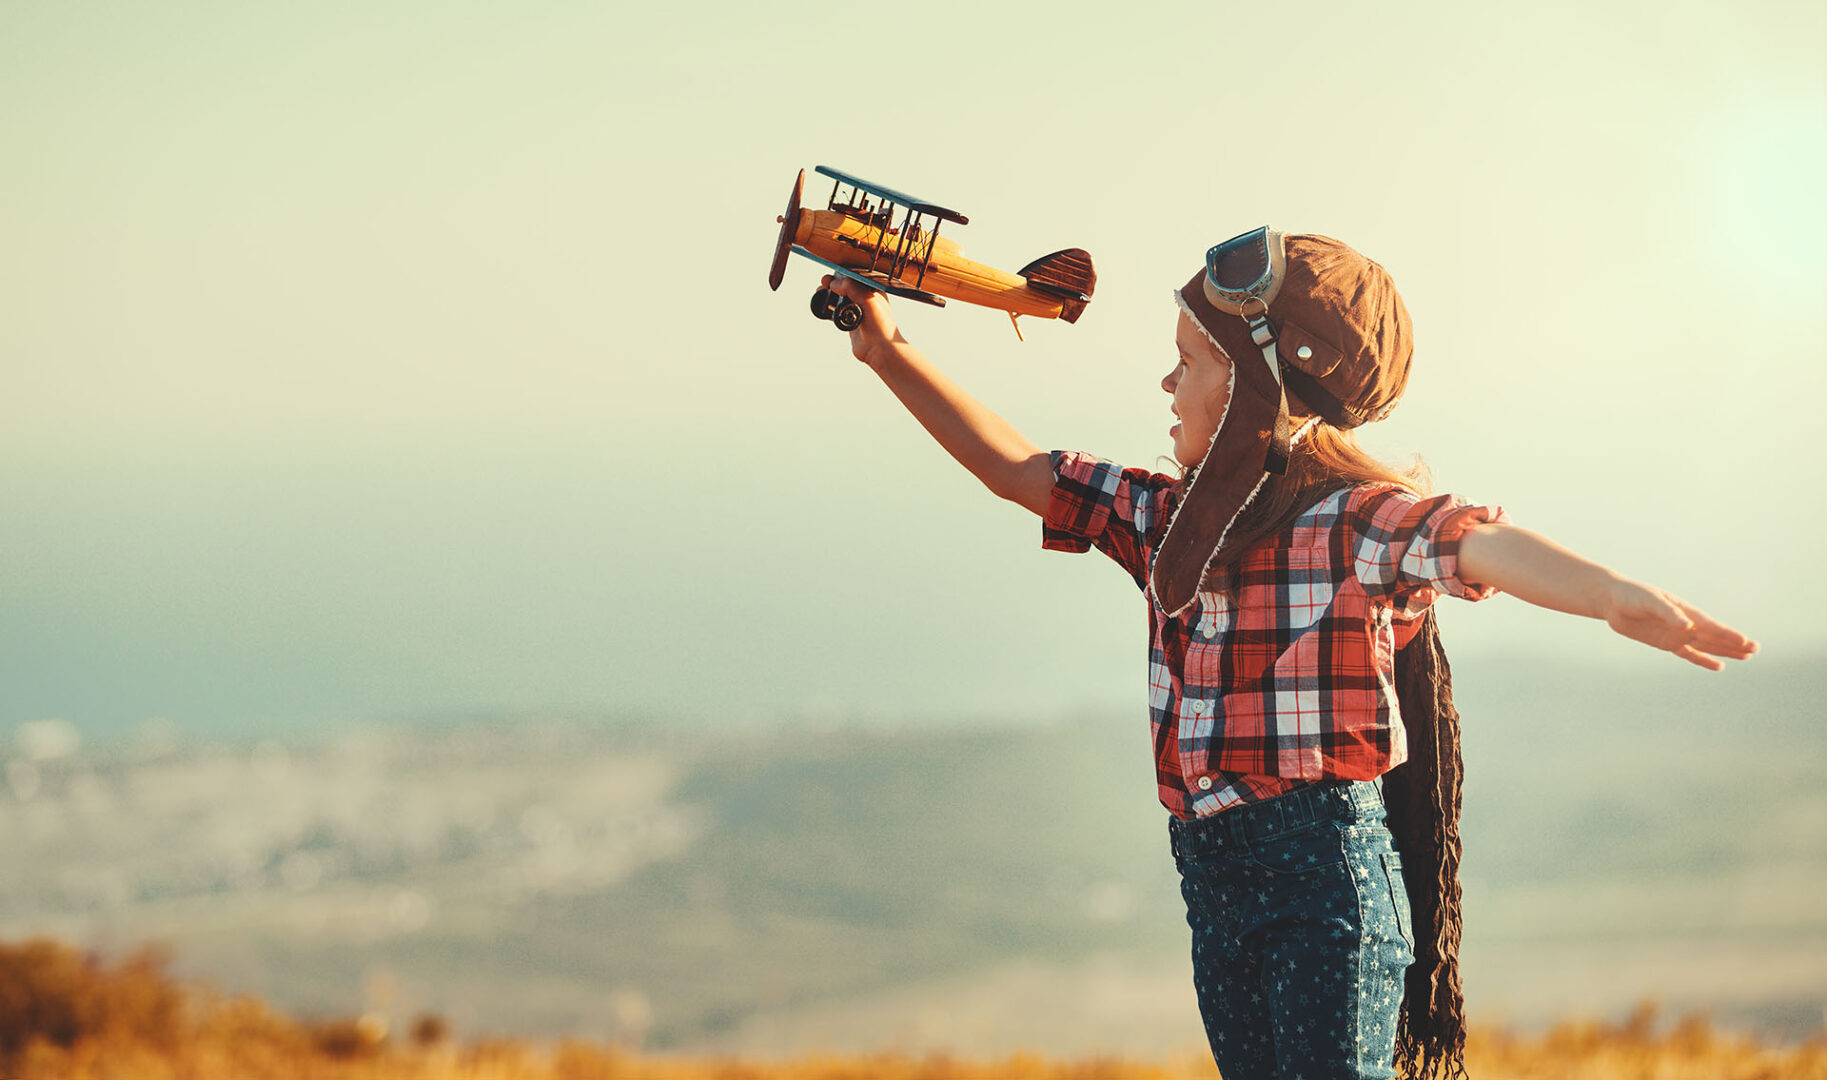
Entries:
{"x":1300,"y":314}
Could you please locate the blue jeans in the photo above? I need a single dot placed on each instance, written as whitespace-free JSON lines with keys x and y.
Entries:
{"x":1301,"y":933}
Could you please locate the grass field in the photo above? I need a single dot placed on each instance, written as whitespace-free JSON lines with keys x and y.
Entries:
{"x":65,"y":1015}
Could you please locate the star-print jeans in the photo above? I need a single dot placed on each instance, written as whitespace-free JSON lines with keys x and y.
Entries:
{"x":1301,"y":933}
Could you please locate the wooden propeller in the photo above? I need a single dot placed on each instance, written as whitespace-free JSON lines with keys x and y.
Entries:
{"x":789,"y":226}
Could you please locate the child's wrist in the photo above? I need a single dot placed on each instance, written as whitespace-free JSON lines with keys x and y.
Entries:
{"x":1617,"y":594}
{"x":885,"y":353}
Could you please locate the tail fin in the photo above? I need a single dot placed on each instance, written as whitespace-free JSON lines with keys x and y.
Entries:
{"x":1066,"y":274}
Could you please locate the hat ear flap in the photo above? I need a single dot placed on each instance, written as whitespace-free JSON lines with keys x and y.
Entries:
{"x":1213,"y":501}
{"x":1230,"y":475}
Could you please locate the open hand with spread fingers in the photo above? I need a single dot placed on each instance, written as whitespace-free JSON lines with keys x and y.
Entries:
{"x":1648,"y":614}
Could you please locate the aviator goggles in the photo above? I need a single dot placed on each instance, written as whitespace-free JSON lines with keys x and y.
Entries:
{"x":1243,"y":274}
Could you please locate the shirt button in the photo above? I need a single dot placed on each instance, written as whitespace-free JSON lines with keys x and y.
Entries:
{"x":1199,"y":707}
{"x":1205,"y":783}
{"x":1209,"y":630}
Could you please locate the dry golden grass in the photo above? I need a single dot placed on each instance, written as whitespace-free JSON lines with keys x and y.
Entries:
{"x":66,"y":1016}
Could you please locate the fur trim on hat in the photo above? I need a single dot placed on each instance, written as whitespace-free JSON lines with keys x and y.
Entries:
{"x":1204,"y":460}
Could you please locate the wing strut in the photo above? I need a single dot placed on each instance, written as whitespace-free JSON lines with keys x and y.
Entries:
{"x":926,"y":259}
{"x":881,"y":234}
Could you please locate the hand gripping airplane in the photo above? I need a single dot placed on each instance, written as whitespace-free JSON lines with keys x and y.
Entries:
{"x":857,"y":236}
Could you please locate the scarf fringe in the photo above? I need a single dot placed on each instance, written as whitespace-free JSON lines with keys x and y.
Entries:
{"x":1423,"y":796}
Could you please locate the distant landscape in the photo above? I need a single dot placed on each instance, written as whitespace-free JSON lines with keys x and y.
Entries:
{"x":972,"y":885}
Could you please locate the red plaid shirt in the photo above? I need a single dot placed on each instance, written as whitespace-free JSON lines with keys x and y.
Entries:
{"x":1294,"y":681}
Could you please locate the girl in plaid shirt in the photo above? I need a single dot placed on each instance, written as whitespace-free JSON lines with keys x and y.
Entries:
{"x":1305,"y":740}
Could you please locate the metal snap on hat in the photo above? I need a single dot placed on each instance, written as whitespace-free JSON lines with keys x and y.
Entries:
{"x":1301,"y":314}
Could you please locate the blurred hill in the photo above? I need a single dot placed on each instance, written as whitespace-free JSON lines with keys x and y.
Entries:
{"x":972,"y":885}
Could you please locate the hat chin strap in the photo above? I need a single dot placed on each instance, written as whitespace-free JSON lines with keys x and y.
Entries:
{"x":1262,"y":332}
{"x":1269,"y":250}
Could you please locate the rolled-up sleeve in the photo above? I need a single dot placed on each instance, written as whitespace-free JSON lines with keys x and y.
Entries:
{"x":1405,"y":549}
{"x":1099,"y":504}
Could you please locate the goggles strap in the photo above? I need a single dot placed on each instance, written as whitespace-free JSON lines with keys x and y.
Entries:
{"x":1262,"y":332}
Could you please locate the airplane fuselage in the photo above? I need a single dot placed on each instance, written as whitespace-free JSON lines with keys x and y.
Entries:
{"x":852,"y":242}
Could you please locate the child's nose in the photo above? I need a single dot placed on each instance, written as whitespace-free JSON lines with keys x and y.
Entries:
{"x":1167,"y":380}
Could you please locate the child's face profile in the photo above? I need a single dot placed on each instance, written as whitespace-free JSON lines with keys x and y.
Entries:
{"x":1201,"y":386}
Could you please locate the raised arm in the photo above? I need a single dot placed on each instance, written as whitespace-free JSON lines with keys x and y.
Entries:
{"x":981,"y":441}
{"x":1533,"y":568}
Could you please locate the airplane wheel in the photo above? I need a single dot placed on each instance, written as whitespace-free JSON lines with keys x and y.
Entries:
{"x":848,"y":316}
{"x":825,"y":303}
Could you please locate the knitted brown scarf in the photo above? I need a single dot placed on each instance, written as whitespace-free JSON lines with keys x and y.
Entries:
{"x":1423,"y":800}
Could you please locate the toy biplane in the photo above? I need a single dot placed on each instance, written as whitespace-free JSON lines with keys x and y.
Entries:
{"x":890,"y":241}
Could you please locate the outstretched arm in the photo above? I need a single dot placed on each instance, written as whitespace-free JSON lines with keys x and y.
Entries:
{"x":981,"y":441}
{"x":1534,"y":568}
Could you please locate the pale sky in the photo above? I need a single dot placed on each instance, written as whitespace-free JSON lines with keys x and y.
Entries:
{"x":361,"y":361}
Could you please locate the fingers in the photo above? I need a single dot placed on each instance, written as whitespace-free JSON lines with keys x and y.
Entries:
{"x":1671,"y":630}
{"x":847,"y":287}
{"x":1698,"y":658}
{"x":1699,"y":632}
{"x":1733,"y":647}
{"x":1714,"y":636}
{"x":1702,"y":643}
{"x":1665,"y":621}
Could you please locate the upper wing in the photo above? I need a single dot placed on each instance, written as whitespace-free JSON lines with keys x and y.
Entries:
{"x":895,"y":197}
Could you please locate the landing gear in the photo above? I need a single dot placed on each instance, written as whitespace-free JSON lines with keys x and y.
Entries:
{"x":846,"y":314}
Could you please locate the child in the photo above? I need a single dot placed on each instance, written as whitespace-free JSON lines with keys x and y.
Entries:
{"x":1305,"y":740}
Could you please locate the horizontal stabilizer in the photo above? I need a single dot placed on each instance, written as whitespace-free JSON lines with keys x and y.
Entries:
{"x":1066,"y":274}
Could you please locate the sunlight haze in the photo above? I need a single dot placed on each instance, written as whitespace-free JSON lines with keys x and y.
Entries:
{"x":368,"y":361}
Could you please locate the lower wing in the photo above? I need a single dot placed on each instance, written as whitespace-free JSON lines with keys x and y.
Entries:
{"x":875,"y":279}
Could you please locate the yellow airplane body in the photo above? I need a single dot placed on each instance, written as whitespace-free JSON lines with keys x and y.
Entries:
{"x":849,"y":242}
{"x":859,"y":237}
